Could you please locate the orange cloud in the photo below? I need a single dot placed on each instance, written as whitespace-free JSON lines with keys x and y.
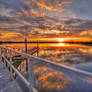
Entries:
{"x":26,"y":2}
{"x":37,"y":14}
{"x":18,"y":13}
{"x":56,"y":5}
{"x":87,"y":32}
{"x":43,"y":5}
{"x":6,"y":35}
{"x":30,"y":13}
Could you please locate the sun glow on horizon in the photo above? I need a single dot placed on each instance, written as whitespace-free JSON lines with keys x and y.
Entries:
{"x":62,"y":44}
{"x":61,"y":40}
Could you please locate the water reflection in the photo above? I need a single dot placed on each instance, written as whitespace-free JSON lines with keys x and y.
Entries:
{"x":50,"y":80}
{"x":70,"y":54}
{"x":86,"y":50}
{"x":88,"y":79}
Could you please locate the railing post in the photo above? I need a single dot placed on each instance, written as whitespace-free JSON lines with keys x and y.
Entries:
{"x":37,"y":51}
{"x":26,"y":45}
{"x":1,"y":54}
{"x":11,"y":62}
{"x":4,"y":55}
{"x":31,"y":75}
{"x":26,"y":66}
{"x":10,"y":56}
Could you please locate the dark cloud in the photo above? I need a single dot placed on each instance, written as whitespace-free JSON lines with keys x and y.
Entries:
{"x":38,"y":16}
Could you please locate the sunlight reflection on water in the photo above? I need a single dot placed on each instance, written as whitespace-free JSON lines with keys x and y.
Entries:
{"x":58,"y":52}
{"x":50,"y":80}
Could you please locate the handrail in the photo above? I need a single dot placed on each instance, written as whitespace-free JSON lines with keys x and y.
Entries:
{"x":29,"y":84}
{"x":17,"y":72}
{"x":53,"y":65}
{"x":56,"y":66}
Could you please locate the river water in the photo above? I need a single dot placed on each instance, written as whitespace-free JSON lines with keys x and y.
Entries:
{"x":70,"y":54}
{"x":50,"y":80}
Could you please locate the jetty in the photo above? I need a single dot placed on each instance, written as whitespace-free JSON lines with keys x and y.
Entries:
{"x":7,"y":84}
{"x":10,"y":73}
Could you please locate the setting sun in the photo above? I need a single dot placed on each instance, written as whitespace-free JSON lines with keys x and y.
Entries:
{"x":61,"y":40}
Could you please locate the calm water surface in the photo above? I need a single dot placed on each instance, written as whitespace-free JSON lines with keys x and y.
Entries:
{"x":70,"y":54}
{"x":75,"y":55}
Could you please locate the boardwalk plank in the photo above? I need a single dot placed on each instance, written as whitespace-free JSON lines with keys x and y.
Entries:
{"x":6,"y":83}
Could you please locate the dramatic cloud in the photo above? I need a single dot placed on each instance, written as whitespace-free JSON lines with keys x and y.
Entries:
{"x":41,"y":18}
{"x":6,"y":35}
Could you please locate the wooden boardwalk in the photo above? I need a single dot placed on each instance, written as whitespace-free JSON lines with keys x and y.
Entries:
{"x":70,"y":79}
{"x":7,"y":84}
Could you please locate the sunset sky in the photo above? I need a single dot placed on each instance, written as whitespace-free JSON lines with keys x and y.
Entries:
{"x":36,"y":19}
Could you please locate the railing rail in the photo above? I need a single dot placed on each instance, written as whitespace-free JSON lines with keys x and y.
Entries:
{"x":30,"y":83}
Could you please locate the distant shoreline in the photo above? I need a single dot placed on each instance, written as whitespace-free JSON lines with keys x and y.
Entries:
{"x":28,"y":42}
{"x":17,"y":42}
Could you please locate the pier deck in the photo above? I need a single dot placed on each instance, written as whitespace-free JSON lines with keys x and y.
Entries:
{"x":7,"y":84}
{"x":40,"y":73}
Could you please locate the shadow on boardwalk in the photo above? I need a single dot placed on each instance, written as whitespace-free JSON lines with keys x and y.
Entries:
{"x":6,"y":83}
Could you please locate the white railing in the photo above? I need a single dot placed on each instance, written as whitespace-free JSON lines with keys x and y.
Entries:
{"x":30,"y":84}
{"x":13,"y":71}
